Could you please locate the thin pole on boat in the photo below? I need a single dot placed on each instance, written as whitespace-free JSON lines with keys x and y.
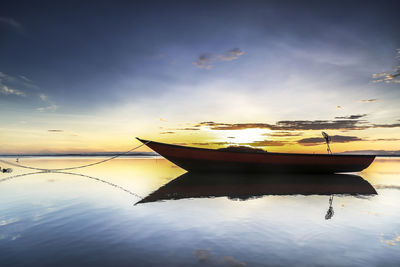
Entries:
{"x":327,"y":140}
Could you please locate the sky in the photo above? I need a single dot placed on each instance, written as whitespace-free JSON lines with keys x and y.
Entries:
{"x":90,"y":76}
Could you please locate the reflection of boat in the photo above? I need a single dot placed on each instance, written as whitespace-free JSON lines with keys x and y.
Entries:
{"x":201,"y":185}
{"x":213,"y":160}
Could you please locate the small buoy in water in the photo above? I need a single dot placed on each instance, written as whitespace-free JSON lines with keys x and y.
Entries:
{"x":6,"y":170}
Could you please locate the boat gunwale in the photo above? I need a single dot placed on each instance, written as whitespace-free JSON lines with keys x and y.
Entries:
{"x":255,"y":152}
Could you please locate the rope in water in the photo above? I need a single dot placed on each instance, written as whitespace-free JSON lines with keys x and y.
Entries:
{"x":76,"y":167}
{"x":76,"y":174}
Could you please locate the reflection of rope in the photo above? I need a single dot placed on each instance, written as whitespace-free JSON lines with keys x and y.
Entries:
{"x":19,"y":175}
{"x":72,"y":168}
{"x":76,"y":174}
{"x":103,"y":181}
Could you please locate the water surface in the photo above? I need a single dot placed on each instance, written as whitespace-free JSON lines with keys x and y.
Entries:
{"x":92,"y":216}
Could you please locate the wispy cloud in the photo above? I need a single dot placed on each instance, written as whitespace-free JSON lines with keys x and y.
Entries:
{"x":296,"y":125}
{"x":312,"y":141}
{"x":352,"y":117}
{"x":51,"y":107}
{"x":393,"y":77}
{"x":373,"y":152}
{"x":19,"y":80}
{"x":9,"y":82}
{"x":368,"y":100}
{"x":391,"y":125}
{"x":283,"y":134}
{"x":385,"y":139}
{"x":4,"y":89}
{"x":12,"y":23}
{"x":43,"y":97}
{"x":55,"y":131}
{"x":188,"y":129}
{"x":286,"y":128}
{"x":263,"y":143}
{"x":206,"y":60}
{"x":231,"y":54}
{"x":384,"y":186}
{"x":211,"y":143}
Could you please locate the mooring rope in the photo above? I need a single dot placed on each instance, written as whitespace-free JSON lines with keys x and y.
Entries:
{"x":72,"y":168}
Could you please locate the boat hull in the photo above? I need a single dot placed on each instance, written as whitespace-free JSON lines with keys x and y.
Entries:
{"x":211,"y":160}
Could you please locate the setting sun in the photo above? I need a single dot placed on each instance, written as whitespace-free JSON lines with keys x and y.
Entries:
{"x":245,"y":136}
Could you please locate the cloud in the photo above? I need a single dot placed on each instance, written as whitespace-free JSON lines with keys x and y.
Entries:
{"x":43,"y":97}
{"x":17,"y":80}
{"x":283,"y":134}
{"x":211,"y":143}
{"x":266,"y":143}
{"x":352,"y":117}
{"x":167,"y":133}
{"x":55,"y":131}
{"x":369,"y":100}
{"x":393,"y":125}
{"x":373,"y":152}
{"x":312,"y":141}
{"x":24,"y":78}
{"x":339,"y":107}
{"x":385,"y":139}
{"x":9,"y":82}
{"x":296,"y":125}
{"x":393,"y":77}
{"x":206,"y":60}
{"x":231,"y":54}
{"x":351,"y":122}
{"x":12,"y":22}
{"x":188,"y":129}
{"x":4,"y":89}
{"x":51,"y":107}
{"x":383,"y":186}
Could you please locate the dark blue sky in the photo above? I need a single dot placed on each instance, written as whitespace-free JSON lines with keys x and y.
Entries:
{"x":90,"y":57}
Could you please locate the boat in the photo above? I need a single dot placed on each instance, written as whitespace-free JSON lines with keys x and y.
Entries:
{"x":220,"y":160}
{"x":249,"y":186}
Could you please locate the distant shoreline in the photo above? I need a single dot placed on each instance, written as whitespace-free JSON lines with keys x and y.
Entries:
{"x":97,"y":154}
{"x":111,"y":154}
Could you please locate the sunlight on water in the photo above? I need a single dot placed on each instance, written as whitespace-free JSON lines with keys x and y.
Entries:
{"x":232,"y":220}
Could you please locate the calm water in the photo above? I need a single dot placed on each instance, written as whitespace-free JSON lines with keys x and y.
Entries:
{"x":61,"y":219}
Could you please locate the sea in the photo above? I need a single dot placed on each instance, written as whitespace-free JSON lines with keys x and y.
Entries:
{"x":145,"y":211}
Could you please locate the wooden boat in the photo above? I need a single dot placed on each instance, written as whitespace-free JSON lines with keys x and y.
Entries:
{"x":248,"y":186}
{"x":214,"y":160}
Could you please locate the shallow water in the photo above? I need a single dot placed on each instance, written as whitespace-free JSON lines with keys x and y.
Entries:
{"x":89,"y":217}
